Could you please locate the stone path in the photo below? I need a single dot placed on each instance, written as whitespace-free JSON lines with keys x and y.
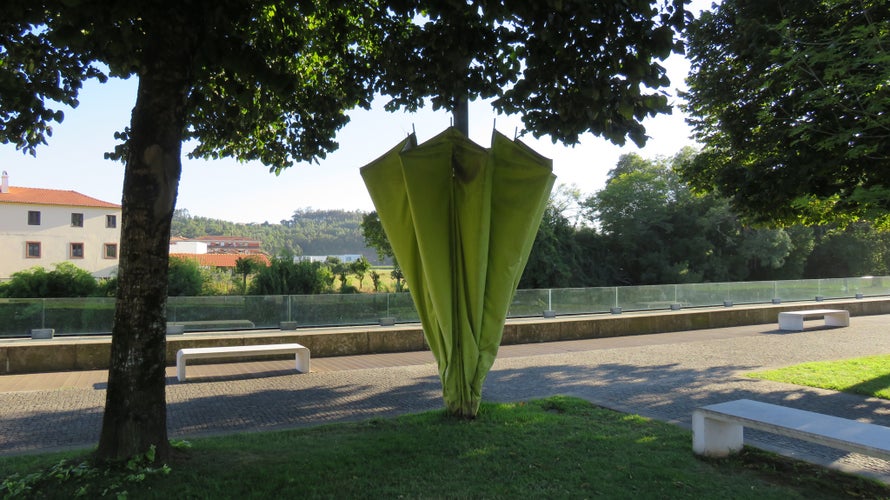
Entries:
{"x":663,"y":376}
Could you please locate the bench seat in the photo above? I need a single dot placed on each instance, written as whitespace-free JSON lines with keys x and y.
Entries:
{"x":183,"y":355}
{"x":793,"y":320}
{"x":718,"y":430}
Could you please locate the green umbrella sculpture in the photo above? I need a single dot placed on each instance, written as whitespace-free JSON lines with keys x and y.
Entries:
{"x":461,"y":220}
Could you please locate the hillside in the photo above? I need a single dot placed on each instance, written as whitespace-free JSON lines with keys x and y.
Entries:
{"x":308,"y":232}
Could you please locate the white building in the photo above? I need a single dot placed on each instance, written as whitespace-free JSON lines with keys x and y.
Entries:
{"x":42,"y":227}
{"x":187,"y":246}
{"x":344,"y":258}
{"x":216,"y":244}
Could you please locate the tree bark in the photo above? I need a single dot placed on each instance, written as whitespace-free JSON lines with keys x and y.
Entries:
{"x":135,"y":416}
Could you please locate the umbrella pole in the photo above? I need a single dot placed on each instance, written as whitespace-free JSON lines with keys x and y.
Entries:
{"x":462,"y":115}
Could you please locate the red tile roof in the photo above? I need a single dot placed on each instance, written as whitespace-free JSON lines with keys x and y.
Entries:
{"x":219,"y":259}
{"x":224,"y":238}
{"x":35,"y":196}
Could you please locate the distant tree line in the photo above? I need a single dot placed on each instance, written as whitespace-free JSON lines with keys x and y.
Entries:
{"x":284,"y":276}
{"x":647,"y":226}
{"x":307,"y":232}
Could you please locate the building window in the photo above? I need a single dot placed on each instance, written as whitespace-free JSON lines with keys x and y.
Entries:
{"x":110,"y":251}
{"x":33,"y":218}
{"x":33,"y":249}
{"x":111,"y":221}
{"x":76,"y":220}
{"x":77,"y":250}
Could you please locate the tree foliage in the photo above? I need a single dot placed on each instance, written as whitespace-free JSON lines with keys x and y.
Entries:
{"x":790,"y":100}
{"x":658,"y":231}
{"x":568,"y":66}
{"x":375,"y":236}
{"x":647,"y":226}
{"x":286,"y":277}
{"x":556,"y":259}
{"x":858,"y":249}
{"x":185,"y":278}
{"x":38,"y":75}
{"x":65,"y":280}
{"x":360,"y":268}
{"x":246,"y":266}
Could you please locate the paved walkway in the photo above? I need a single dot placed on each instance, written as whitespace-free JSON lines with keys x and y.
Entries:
{"x":663,"y":376}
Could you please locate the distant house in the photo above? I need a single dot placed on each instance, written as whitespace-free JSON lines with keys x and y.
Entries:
{"x":182,"y":245}
{"x":222,"y":244}
{"x":42,"y":227}
{"x":220,"y":252}
{"x":220,"y":260}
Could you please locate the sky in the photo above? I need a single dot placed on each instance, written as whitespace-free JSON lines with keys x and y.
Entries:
{"x":247,"y":192}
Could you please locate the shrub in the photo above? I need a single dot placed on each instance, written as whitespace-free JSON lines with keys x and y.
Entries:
{"x":286,"y":277}
{"x":185,"y":278}
{"x":66,"y":280}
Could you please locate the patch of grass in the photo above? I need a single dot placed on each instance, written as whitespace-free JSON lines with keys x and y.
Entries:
{"x":554,"y":448}
{"x":868,"y":376}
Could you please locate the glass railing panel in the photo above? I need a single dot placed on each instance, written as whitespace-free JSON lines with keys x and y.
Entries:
{"x":79,"y":316}
{"x":229,"y":312}
{"x":836,"y":288}
{"x":750,"y":292}
{"x":338,"y":309}
{"x":797,"y":290}
{"x":583,"y":300}
{"x":703,"y":294}
{"x":19,"y":316}
{"x":647,"y":297}
{"x":528,"y":303}
{"x":401,"y":307}
{"x":66,"y":316}
{"x":868,"y":286}
{"x":319,"y":310}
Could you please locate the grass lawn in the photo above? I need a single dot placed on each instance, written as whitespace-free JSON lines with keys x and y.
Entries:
{"x":869,"y":376}
{"x":554,"y":448}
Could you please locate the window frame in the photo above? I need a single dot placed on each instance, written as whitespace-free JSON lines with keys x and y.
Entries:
{"x":111,"y":221}
{"x":107,"y":247}
{"x":28,"y":246}
{"x":72,"y":254}
{"x":76,"y":219}
{"x":33,"y":217}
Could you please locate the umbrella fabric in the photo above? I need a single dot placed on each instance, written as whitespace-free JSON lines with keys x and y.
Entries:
{"x":461,"y":220}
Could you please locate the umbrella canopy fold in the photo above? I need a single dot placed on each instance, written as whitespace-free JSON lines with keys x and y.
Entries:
{"x":461,"y":220}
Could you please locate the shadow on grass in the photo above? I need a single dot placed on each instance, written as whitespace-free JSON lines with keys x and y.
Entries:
{"x":871,"y":386}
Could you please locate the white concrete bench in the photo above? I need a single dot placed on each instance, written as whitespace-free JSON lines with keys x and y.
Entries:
{"x":718,"y":430}
{"x":793,"y":320}
{"x":183,"y":355}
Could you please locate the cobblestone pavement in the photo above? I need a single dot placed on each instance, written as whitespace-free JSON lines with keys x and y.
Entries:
{"x":662,"y":376}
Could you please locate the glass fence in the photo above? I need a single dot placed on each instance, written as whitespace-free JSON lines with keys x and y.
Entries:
{"x":81,"y":316}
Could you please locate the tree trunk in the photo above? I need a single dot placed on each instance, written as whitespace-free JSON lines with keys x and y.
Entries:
{"x":135,"y":416}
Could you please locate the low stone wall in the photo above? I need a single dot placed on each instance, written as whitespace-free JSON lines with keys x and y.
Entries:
{"x":93,"y":353}
{"x":599,"y":326}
